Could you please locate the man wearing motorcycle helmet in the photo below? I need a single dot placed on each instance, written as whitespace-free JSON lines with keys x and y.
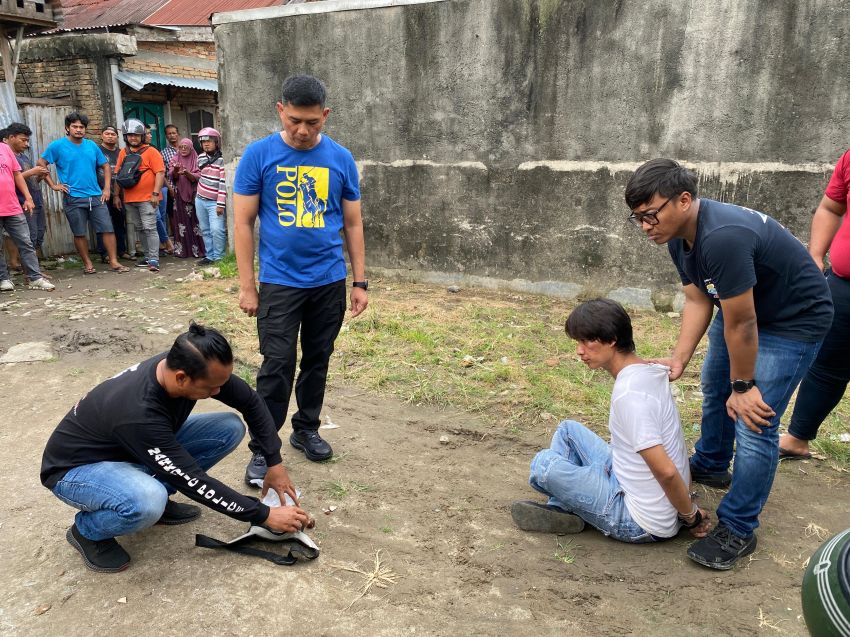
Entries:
{"x":141,"y":199}
{"x":211,"y":196}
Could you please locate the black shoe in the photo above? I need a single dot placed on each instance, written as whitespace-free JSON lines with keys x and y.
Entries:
{"x":256,"y":469}
{"x":721,"y":548}
{"x":311,"y":443}
{"x":720,"y":480}
{"x":179,"y":513}
{"x":544,"y":518}
{"x":142,"y":263}
{"x":103,"y":556}
{"x":203,"y":261}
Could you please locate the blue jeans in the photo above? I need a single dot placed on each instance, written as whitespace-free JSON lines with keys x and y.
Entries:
{"x":780,"y":365}
{"x":37,"y":227}
{"x":16,"y":227}
{"x":575,"y":472}
{"x":162,"y":217}
{"x":212,"y":228}
{"x":118,"y":498}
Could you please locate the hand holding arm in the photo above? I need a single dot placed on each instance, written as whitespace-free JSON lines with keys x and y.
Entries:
{"x":696,"y":316}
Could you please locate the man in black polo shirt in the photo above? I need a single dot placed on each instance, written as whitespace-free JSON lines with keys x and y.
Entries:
{"x":130,"y":443}
{"x":774,"y":310}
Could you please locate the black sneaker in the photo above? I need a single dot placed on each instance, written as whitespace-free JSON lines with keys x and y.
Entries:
{"x":142,"y":263}
{"x":103,"y":556}
{"x":721,"y":548}
{"x":544,"y":518}
{"x":256,"y":469}
{"x":179,"y":513}
{"x":720,"y":480}
{"x":312,"y":444}
{"x":203,"y":261}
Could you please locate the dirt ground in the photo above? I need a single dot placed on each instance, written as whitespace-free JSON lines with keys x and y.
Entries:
{"x":436,"y":511}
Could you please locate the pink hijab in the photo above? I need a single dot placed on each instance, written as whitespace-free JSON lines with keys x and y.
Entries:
{"x":185,"y":188}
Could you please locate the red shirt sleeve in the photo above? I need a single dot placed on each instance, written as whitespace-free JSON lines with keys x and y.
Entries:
{"x":838,"y":183}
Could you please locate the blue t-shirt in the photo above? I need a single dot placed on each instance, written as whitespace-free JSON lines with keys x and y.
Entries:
{"x":736,"y":249}
{"x":301,"y":193}
{"x":77,"y":165}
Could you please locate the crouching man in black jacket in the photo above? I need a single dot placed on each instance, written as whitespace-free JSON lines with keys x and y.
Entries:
{"x":130,"y":443}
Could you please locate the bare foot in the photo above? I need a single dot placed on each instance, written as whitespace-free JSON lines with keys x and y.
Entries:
{"x":793,"y":445}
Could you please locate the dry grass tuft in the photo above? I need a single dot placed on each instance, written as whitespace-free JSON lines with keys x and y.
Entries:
{"x":380,"y":576}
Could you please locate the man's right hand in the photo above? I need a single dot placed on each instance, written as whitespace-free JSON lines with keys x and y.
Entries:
{"x":677,"y":366}
{"x":288,"y":519}
{"x":249,"y":300}
{"x":116,"y":201}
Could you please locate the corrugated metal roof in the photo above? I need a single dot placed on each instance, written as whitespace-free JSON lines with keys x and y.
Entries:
{"x":188,"y":13}
{"x":90,"y":14}
{"x":137,"y":80}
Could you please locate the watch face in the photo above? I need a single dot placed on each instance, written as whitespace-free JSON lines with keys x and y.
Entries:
{"x":741,"y":386}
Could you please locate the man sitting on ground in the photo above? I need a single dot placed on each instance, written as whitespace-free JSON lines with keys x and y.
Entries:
{"x":130,"y":443}
{"x":635,"y":489}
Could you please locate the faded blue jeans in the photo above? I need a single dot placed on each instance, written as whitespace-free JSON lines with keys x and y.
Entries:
{"x":575,"y":472}
{"x":212,"y":227}
{"x":119,"y":498}
{"x":780,"y":366}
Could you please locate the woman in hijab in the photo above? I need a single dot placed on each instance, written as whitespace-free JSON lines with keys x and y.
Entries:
{"x":188,"y":240}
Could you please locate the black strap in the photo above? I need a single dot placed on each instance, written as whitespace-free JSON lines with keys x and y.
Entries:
{"x":207,"y":542}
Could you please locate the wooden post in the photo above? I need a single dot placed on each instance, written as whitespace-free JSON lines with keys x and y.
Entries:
{"x":8,"y":59}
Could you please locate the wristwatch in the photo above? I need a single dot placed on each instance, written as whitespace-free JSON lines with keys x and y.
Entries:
{"x":742,"y":386}
{"x":360,"y":284}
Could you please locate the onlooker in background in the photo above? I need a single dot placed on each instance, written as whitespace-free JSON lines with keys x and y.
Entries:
{"x":212,"y":195}
{"x":184,"y":171}
{"x":169,"y":152}
{"x":76,"y":160}
{"x":165,"y":244}
{"x":17,"y":136}
{"x":824,"y":384}
{"x":141,"y":198}
{"x":109,"y":147}
{"x":13,"y":221}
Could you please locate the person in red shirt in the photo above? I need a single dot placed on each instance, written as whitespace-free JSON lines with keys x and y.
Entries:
{"x":142,"y":200}
{"x":824,"y":384}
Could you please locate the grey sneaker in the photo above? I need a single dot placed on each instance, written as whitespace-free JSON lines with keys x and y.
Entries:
{"x":6,"y":285}
{"x":41,"y":284}
{"x":544,"y":518}
{"x":256,"y":469}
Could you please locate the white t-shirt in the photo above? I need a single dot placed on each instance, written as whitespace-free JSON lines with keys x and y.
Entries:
{"x":643,"y":415}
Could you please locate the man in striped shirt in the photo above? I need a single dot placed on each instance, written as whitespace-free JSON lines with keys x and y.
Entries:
{"x":211,"y":196}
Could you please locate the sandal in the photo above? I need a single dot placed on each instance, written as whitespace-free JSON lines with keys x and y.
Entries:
{"x":119,"y":269}
{"x":90,"y":270}
{"x":126,"y":256}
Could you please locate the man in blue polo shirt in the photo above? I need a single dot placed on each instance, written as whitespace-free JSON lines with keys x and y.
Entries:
{"x":77,"y":160}
{"x":305,"y":189}
{"x":774,"y":310}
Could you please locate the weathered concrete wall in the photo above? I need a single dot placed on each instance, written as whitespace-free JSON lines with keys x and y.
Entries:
{"x":495,"y":138}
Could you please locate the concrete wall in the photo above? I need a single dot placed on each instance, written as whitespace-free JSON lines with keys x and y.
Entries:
{"x":495,"y":138}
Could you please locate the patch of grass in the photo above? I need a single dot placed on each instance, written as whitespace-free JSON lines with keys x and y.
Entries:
{"x":566,"y":551}
{"x":499,"y":354}
{"x":227,"y":267}
{"x":340,"y":489}
{"x":386,"y":529}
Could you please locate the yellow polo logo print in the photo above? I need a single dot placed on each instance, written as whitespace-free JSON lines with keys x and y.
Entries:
{"x":302,"y":196}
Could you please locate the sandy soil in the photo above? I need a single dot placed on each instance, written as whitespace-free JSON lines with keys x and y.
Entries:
{"x":436,"y":511}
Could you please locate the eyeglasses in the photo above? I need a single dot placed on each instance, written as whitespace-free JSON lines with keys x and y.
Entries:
{"x":648,"y":216}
